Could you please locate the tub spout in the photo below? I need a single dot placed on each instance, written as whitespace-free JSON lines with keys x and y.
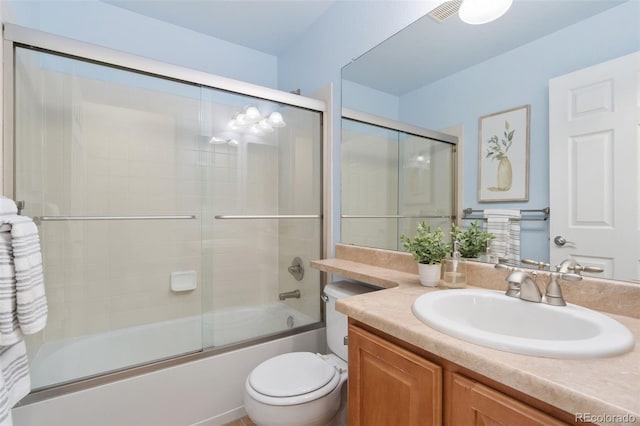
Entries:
{"x":295,"y":294}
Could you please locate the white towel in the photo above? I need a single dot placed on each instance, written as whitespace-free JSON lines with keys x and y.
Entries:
{"x":506,"y":230}
{"x":23,"y":305}
{"x":15,"y":383}
{"x":7,"y":206}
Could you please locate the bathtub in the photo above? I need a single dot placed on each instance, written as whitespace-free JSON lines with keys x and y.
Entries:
{"x":208,"y":391}
{"x":66,"y":360}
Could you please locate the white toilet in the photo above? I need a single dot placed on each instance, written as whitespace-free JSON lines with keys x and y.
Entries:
{"x":303,"y":388}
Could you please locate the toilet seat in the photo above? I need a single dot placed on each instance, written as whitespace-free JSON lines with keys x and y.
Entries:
{"x":292,"y":378}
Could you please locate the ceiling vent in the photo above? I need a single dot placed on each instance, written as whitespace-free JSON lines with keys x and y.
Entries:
{"x":445,"y":10}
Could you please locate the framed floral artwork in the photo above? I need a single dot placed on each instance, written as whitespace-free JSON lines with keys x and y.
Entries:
{"x":503,"y":155}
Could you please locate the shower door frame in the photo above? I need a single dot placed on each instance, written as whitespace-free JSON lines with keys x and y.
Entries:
{"x":428,"y":134}
{"x":18,"y":36}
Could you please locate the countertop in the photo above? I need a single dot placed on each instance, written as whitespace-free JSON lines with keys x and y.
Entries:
{"x":599,"y":387}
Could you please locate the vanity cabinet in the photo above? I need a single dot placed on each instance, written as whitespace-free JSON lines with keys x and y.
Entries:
{"x":393,"y":383}
{"x":473,"y":403}
{"x":390,"y":386}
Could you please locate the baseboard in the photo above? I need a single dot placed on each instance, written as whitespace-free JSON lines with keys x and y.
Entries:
{"x":224,"y":418}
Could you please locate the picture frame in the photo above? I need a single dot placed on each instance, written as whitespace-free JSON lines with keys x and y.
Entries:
{"x":503,"y":155}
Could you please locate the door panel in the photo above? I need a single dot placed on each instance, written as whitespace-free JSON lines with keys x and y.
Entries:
{"x":593,"y":162}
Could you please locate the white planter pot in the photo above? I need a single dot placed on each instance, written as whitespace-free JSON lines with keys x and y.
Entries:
{"x":429,"y":274}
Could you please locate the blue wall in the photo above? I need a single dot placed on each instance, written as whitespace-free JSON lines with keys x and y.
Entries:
{"x":103,"y":24}
{"x":344,"y":32}
{"x":363,"y":98}
{"x":486,"y":88}
{"x":347,"y":30}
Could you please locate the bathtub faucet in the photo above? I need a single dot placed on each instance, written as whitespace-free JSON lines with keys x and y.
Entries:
{"x":295,"y":294}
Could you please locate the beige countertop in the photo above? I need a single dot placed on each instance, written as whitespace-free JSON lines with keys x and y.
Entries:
{"x":599,"y":387}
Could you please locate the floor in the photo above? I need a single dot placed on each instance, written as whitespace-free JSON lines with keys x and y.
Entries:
{"x":245,"y":421}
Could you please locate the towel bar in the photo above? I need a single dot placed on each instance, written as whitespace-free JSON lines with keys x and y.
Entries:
{"x":270,"y":216}
{"x":393,"y":216}
{"x":545,"y":211}
{"x":68,"y":218}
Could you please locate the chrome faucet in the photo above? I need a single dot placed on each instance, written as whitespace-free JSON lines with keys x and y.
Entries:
{"x":526,"y":283}
{"x":522,"y":284}
{"x":295,"y":294}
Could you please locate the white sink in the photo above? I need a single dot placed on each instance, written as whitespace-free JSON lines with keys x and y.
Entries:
{"x":490,"y":318}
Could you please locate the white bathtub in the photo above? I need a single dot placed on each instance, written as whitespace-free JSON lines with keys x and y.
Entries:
{"x":205,"y":392}
{"x":70,"y":359}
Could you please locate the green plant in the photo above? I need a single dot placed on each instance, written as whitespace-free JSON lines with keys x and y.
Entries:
{"x":427,"y":246}
{"x":471,"y":241}
{"x":498,"y":149}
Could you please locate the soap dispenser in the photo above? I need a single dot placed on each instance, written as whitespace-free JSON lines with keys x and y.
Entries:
{"x":455,"y":269}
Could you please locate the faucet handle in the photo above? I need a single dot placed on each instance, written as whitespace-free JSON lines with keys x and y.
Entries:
{"x":575,"y":267}
{"x":540,"y":265}
{"x":503,"y":266}
{"x":590,"y":269}
{"x":570,"y":277}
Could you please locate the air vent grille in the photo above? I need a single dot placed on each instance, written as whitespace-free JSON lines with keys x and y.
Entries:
{"x":445,"y":10}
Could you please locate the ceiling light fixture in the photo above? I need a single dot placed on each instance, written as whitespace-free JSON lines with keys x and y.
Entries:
{"x":476,"y":12}
{"x":251,"y":120}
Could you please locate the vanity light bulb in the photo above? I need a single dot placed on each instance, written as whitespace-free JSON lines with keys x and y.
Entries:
{"x":275,"y":119}
{"x":252,"y":114}
{"x":232,"y":142}
{"x":240,"y":120}
{"x":476,"y":12}
{"x":265,"y":126}
{"x":255,"y":130}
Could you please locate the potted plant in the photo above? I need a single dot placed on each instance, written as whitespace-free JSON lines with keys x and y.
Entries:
{"x":428,"y":249}
{"x":472,"y":241}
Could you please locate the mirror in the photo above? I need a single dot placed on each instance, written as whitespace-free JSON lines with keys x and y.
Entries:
{"x":393,"y":177}
{"x":438,"y":75}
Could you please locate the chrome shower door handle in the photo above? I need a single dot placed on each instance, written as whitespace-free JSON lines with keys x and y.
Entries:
{"x":560,"y":241}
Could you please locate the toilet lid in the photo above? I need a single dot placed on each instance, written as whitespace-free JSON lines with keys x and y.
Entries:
{"x":291,"y":374}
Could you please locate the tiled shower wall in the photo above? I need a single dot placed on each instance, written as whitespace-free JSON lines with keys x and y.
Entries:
{"x":103,"y":149}
{"x":104,"y":160}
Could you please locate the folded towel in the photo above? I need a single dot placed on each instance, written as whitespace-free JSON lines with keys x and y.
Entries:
{"x":7,"y":206}
{"x":23,"y":305}
{"x":506,"y":230}
{"x":15,"y":383}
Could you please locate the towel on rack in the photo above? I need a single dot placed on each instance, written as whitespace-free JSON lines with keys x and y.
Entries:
{"x":23,"y":305}
{"x":15,"y":382}
{"x":7,"y":206}
{"x":506,"y":244}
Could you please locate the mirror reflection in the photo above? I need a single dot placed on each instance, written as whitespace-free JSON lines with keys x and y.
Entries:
{"x":393,"y":178}
{"x":448,"y":74}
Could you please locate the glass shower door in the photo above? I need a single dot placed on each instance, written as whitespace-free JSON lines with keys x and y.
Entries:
{"x":391,"y":181}
{"x":369,"y":185}
{"x":426,"y":183}
{"x":261,"y":210}
{"x":108,"y":160}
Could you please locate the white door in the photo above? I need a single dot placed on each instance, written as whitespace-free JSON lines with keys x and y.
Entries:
{"x":594,"y":132}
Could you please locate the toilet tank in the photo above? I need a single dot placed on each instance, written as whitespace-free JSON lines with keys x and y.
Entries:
{"x":336,"y":321}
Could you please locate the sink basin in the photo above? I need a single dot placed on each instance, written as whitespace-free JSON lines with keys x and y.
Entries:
{"x":490,"y":318}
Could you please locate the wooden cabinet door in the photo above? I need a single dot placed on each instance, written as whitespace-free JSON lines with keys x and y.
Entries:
{"x":475,"y":404}
{"x":390,"y":386}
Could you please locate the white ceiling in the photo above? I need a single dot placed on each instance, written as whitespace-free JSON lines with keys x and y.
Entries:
{"x":266,"y":25}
